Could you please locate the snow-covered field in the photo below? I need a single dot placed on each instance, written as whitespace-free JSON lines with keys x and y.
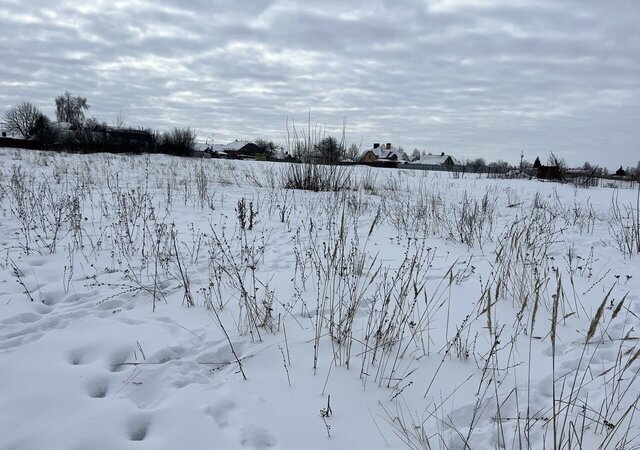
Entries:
{"x":156,"y":302}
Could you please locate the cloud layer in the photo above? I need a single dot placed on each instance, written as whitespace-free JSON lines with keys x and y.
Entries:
{"x":476,"y":78}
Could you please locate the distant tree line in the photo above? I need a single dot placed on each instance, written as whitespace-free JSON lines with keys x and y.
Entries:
{"x":74,"y":131}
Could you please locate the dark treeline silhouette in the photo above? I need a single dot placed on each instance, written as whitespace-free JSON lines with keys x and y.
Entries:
{"x":73,"y":132}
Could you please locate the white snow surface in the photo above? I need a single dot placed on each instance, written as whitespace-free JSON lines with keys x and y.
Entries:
{"x":392,"y":303}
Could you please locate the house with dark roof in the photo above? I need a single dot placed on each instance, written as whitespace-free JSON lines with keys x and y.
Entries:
{"x":547,"y":172}
{"x":240,"y":149}
{"x":621,"y":172}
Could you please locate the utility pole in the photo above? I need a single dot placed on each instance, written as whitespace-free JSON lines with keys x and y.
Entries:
{"x":521,"y":159}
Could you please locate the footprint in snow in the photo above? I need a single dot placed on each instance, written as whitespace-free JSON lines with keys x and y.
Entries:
{"x":257,"y":438}
{"x":110,"y":304}
{"x":168,"y":354}
{"x":118,"y":358}
{"x":41,"y":308}
{"x":98,"y":387}
{"x":223,"y":354}
{"x":138,"y":428}
{"x":78,"y":357}
{"x":27,"y":317}
{"x":221,"y":412}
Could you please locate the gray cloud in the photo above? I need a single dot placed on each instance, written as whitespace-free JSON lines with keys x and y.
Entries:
{"x":475,"y":78}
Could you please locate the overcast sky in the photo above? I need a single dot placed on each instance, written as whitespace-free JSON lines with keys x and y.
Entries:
{"x":474,"y":78}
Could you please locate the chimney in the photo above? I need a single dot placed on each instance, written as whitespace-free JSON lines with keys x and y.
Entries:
{"x":388,"y":145}
{"x":376,"y":144}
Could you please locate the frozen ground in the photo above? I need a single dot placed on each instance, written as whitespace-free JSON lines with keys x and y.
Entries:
{"x":154,"y":302}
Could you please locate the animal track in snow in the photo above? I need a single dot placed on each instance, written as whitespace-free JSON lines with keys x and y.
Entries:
{"x":138,"y":428}
{"x":110,"y":304}
{"x":77,"y":357}
{"x":98,"y":387}
{"x":118,"y":358}
{"x":221,"y":412}
{"x":41,"y":308}
{"x":257,"y":438}
{"x":167,"y":354}
{"x":26,"y":317}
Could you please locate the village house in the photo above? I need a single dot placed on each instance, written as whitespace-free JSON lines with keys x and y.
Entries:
{"x":234,"y":150}
{"x":621,"y":172}
{"x":547,"y":172}
{"x":202,"y":150}
{"x":437,"y":160}
{"x":240,"y":149}
{"x":386,"y":154}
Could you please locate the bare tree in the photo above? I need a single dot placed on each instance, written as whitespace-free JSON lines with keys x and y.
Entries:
{"x":477,"y":164}
{"x":22,"y":119}
{"x":93,"y":124}
{"x":119,"y":120}
{"x":300,"y":141}
{"x":526,"y":165}
{"x":329,"y":150}
{"x":70,"y":108}
{"x":266,"y":147}
{"x":498,"y":166}
{"x":555,"y":160}
{"x":353,"y":152}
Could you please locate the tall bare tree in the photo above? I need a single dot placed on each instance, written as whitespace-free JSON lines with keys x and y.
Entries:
{"x":70,"y":108}
{"x":22,"y":119}
{"x":353,"y":152}
{"x":555,"y":160}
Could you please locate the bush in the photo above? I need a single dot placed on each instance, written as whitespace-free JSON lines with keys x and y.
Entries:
{"x":179,"y":141}
{"x":317,"y":177}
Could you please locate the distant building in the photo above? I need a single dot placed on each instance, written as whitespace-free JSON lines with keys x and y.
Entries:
{"x":240,"y":149}
{"x":128,"y":140}
{"x":386,"y":154}
{"x":621,"y":172}
{"x":547,"y":172}
{"x":234,"y":150}
{"x":202,"y":150}
{"x":437,"y":160}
